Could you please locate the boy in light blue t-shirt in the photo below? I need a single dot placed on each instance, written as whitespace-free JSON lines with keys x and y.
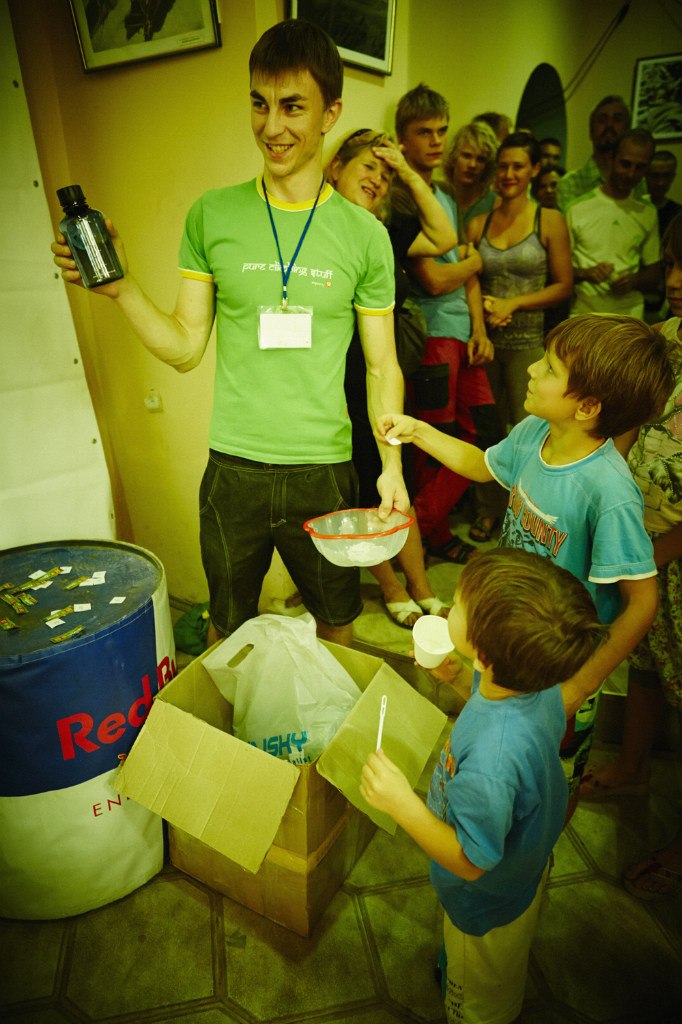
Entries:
{"x":498,"y":793}
{"x":571,"y":495}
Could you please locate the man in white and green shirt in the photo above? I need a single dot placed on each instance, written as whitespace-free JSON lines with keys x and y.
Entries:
{"x":614,"y":236}
{"x":284,"y":265}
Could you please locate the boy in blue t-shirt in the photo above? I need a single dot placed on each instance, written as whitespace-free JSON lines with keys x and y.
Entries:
{"x":571,"y":496}
{"x":498,"y":794}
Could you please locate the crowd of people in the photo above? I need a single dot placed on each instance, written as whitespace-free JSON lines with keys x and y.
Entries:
{"x":510,"y":296}
{"x":579,"y":380}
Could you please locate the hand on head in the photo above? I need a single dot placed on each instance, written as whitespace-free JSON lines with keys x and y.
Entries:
{"x":392,"y":156}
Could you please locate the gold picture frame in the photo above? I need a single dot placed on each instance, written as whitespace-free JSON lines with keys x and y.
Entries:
{"x":363,"y":31}
{"x":657,"y":96}
{"x":110,"y":33}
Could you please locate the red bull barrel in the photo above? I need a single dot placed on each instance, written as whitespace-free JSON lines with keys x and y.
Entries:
{"x":86,"y":642}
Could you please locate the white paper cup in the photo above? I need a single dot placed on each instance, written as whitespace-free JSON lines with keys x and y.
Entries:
{"x":432,"y":642}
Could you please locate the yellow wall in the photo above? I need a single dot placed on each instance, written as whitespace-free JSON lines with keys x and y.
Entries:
{"x":145,"y":140}
{"x":481,"y":53}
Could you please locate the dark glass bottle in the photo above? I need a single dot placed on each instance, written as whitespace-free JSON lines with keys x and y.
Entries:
{"x":88,"y":239}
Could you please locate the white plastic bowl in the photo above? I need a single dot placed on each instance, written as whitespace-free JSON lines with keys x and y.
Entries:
{"x":356,"y":536}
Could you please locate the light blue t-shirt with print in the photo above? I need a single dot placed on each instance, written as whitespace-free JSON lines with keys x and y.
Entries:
{"x":587,"y":516}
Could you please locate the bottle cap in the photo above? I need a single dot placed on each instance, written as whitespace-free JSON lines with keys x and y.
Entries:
{"x":71,"y":195}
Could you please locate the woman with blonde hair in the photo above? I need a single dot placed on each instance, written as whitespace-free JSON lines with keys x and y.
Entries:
{"x":469,"y":169}
{"x":362,"y":170}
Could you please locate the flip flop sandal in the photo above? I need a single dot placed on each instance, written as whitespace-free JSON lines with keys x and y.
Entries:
{"x":400,"y":611}
{"x":669,"y":879}
{"x":480,"y":533}
{"x":434,"y":606}
{"x":455,"y":550}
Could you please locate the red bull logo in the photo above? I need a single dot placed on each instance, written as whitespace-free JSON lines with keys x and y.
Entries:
{"x":71,"y":717}
{"x":80,"y":730}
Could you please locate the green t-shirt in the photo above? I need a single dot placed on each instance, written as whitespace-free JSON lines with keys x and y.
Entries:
{"x":285,"y":406}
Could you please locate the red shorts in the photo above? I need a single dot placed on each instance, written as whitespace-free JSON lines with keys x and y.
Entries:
{"x":455,"y":397}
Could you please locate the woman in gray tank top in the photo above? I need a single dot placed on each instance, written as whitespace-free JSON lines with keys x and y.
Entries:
{"x":527,"y":268}
{"x":522,"y":247}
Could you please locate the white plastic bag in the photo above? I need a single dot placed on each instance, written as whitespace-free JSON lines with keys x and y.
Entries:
{"x":289,"y":692}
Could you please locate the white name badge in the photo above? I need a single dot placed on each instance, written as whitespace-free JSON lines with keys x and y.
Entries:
{"x":285,"y":328}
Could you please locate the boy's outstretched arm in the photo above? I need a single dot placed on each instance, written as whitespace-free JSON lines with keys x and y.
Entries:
{"x":459,"y":456}
{"x":385,"y":787}
{"x":639,"y":605}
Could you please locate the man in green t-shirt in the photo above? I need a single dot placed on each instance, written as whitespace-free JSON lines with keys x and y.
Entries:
{"x":284,"y":265}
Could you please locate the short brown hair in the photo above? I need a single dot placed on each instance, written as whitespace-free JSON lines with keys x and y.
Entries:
{"x":664,"y":156}
{"x":419,"y":104}
{"x":640,"y":136}
{"x":607,"y":101}
{"x":533,"y":622}
{"x":521,"y":140}
{"x":299,"y":45}
{"x":619,"y":360}
{"x":500,"y":124}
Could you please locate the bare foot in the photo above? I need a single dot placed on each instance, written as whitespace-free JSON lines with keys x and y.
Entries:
{"x":612,"y":780}
{"x":658,"y":877}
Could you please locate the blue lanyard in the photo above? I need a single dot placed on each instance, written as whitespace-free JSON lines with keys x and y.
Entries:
{"x":286,"y":274}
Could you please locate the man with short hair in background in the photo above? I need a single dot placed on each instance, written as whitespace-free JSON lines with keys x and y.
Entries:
{"x":609,"y":119}
{"x":614,"y":236}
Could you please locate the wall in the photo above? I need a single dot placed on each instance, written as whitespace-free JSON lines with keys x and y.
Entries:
{"x":55,"y":481}
{"x":145,"y":140}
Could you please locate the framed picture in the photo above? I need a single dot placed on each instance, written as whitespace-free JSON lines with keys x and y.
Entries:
{"x":657,"y":96}
{"x":363,"y":30}
{"x":114,"y":32}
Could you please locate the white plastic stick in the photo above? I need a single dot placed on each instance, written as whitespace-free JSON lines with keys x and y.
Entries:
{"x":382,"y":715}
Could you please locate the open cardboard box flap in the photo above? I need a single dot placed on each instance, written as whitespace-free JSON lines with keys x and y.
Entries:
{"x":411,"y":728}
{"x":187,"y":767}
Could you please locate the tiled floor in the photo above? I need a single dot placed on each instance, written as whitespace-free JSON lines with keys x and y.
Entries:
{"x":176,"y":951}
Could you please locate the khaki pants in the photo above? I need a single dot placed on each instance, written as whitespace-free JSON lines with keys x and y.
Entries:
{"x":486,"y":974}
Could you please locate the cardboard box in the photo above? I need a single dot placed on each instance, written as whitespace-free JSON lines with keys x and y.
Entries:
{"x":289,"y":889}
{"x":243,"y":803}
